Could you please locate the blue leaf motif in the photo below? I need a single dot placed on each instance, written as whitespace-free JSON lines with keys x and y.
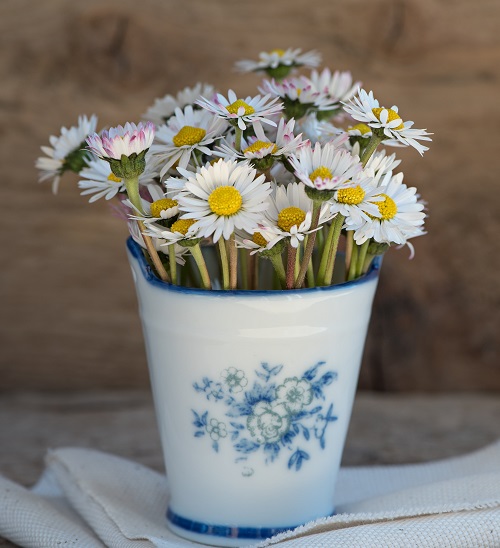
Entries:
{"x":297,"y":458}
{"x":215,"y":446}
{"x":246,"y":446}
{"x":306,"y":433}
{"x":311,"y":373}
{"x":199,"y":433}
{"x":200,"y":421}
{"x":271,"y":450}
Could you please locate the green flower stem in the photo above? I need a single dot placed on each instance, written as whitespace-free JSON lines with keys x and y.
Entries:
{"x":132,"y":188}
{"x":202,"y":266}
{"x":160,"y":269}
{"x":173,"y":263}
{"x":353,"y":264}
{"x":237,"y":140}
{"x":371,"y":147}
{"x":277,"y":263}
{"x":253,"y":271}
{"x":327,"y":263}
{"x":233,"y":262}
{"x":310,"y":244}
{"x":368,"y":261}
{"x":224,"y":263}
{"x":363,"y":249}
{"x":244,"y":268}
{"x":290,"y":266}
{"x":348,"y":250}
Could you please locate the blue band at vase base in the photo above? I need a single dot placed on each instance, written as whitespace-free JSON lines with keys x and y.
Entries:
{"x":225,"y":531}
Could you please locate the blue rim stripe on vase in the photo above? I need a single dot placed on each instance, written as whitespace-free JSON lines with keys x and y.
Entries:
{"x":226,"y":531}
{"x":137,"y":252}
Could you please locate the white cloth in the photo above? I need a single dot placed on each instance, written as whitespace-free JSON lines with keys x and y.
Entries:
{"x":90,"y":499}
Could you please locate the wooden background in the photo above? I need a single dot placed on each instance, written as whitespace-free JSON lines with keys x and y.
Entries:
{"x":68,"y":309}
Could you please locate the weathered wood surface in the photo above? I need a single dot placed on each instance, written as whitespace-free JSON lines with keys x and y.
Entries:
{"x":68,"y":311}
{"x":385,"y":429}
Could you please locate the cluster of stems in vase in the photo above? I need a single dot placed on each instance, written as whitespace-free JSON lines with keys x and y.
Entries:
{"x":286,"y":177}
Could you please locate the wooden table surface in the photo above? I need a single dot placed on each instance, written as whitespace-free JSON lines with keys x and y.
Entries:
{"x":385,"y":428}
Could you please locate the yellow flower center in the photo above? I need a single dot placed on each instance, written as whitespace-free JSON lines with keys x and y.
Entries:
{"x":258,"y":239}
{"x":225,"y":201}
{"x":182,"y":225}
{"x":289,"y":217}
{"x":362,"y":128}
{"x":261,"y":145}
{"x":189,"y":135}
{"x":321,"y":172}
{"x":234,"y":107}
{"x":393,"y":115}
{"x":351,"y":196}
{"x":114,"y":178}
{"x":162,"y":205}
{"x":279,"y":52}
{"x":387,"y":208}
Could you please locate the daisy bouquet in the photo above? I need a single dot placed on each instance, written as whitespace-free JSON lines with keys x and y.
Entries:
{"x":286,"y":177}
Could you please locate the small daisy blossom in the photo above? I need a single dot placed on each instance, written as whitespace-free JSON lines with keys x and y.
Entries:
{"x":160,"y":208}
{"x":358,"y":201}
{"x":100,"y":182}
{"x":360,"y":130}
{"x":181,"y":231}
{"x":400,"y":215}
{"x":260,"y":146}
{"x":289,"y":214}
{"x":338,"y":86}
{"x":262,"y":239}
{"x":223,"y":197}
{"x":67,"y":151}
{"x":187,"y":132}
{"x":325,"y":167}
{"x":278,"y":57}
{"x":365,"y":108}
{"x":122,"y":140}
{"x":243,"y":111}
{"x":163,"y":108}
{"x":380,"y":164}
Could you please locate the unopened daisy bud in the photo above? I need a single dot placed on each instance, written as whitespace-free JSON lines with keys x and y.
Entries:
{"x":124,"y":147}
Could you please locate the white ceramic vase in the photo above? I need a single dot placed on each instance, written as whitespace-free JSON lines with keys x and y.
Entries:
{"x":253,"y":393}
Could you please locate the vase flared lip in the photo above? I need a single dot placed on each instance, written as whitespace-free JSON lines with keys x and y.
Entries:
{"x":137,"y":252}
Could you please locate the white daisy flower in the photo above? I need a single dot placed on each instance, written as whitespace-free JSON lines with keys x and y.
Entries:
{"x":67,"y":151}
{"x":159,"y":242}
{"x":181,"y":230}
{"x":359,"y":201}
{"x":387,"y":121}
{"x":223,"y":197}
{"x":261,"y":147}
{"x":241,"y":112}
{"x":100,"y":182}
{"x":325,"y":167}
{"x":122,"y":140}
{"x":279,"y":62}
{"x":163,"y":108}
{"x":299,"y":95}
{"x":289,"y":214}
{"x":338,"y":86}
{"x":186,"y":136}
{"x":262,"y":239}
{"x":400,"y":215}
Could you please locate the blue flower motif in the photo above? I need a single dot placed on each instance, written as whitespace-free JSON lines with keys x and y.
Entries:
{"x":269,"y":422}
{"x":234,"y":379}
{"x":295,"y":394}
{"x":270,"y":417}
{"x":216,"y":429}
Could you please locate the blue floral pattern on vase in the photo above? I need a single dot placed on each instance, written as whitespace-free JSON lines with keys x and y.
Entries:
{"x":271,"y":417}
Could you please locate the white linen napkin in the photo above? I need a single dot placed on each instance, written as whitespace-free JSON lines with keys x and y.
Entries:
{"x":91,"y":499}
